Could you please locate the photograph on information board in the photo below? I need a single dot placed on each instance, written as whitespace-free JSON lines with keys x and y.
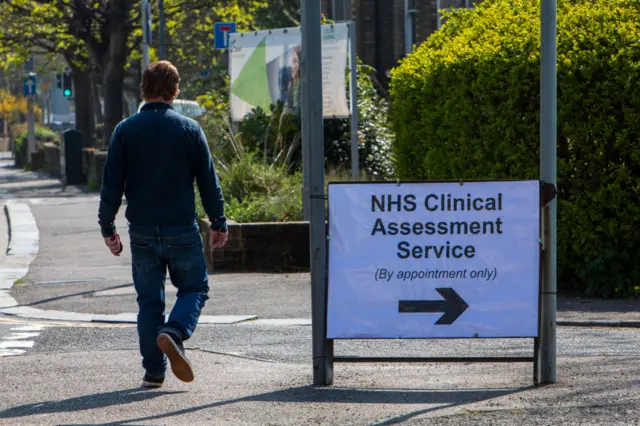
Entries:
{"x":433,"y":260}
{"x":265,"y":68}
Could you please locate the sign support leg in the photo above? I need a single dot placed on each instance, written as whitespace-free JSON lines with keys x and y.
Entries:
{"x":536,"y":361}
{"x":353,"y":95}
{"x":548,"y":175}
{"x":313,"y":156}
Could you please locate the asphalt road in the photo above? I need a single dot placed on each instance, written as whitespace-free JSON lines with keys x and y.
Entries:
{"x":292,"y":344}
{"x":260,"y":375}
{"x":256,"y":374}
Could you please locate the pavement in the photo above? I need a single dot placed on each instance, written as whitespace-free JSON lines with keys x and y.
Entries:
{"x":69,"y":355}
{"x":74,"y":272}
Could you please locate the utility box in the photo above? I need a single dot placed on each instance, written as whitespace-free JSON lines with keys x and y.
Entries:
{"x":72,"y":153}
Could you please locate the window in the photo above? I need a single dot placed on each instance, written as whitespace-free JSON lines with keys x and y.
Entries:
{"x":410,"y":13}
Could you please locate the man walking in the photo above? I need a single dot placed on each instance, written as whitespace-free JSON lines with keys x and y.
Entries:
{"x":154,"y":158}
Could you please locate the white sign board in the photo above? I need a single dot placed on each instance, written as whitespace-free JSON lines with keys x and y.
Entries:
{"x":265,"y":69}
{"x":433,"y":260}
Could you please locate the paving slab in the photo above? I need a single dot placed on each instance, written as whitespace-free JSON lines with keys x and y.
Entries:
{"x":72,"y":277}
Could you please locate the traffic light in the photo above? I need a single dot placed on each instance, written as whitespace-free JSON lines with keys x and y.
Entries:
{"x":67,"y":86}
{"x":59,"y":81}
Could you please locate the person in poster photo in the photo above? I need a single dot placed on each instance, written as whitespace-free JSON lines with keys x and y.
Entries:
{"x":294,"y":84}
{"x":290,"y":82}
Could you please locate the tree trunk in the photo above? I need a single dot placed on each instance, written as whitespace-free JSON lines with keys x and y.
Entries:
{"x":95,"y":86}
{"x":83,"y":100}
{"x":113,"y":72}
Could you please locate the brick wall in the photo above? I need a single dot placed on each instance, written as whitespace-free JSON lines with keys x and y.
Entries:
{"x":366,"y":30}
{"x":270,"y":247}
{"x":325,"y":7}
{"x":380,"y":28}
{"x":425,"y":20}
{"x":399,"y":29}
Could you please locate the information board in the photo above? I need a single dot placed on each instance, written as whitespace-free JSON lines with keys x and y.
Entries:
{"x":433,"y":260}
{"x":265,"y":69}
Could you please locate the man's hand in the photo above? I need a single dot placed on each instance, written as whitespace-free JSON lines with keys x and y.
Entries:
{"x":114,"y":244}
{"x":217,"y":239}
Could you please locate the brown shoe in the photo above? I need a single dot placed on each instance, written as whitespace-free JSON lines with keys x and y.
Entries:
{"x":174,"y":350}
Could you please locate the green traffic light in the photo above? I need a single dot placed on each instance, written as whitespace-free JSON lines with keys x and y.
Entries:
{"x":67,"y":92}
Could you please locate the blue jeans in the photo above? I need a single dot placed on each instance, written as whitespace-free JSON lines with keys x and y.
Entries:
{"x":153,"y":250}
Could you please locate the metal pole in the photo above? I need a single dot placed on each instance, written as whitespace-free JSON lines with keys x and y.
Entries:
{"x":31,"y":129}
{"x":163,"y":46}
{"x":353,"y":95}
{"x":47,"y":108}
{"x":145,"y":35}
{"x":407,"y":28}
{"x":313,"y":156}
{"x":438,"y":14}
{"x":49,"y":104}
{"x":548,"y":174}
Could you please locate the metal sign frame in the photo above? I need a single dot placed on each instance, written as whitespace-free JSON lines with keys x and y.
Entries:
{"x":547,"y":194}
{"x":314,"y":197}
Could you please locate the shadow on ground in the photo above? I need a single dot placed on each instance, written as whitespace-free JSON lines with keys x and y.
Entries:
{"x":26,"y":184}
{"x":66,"y":296}
{"x":88,"y":402}
{"x":304,"y":394}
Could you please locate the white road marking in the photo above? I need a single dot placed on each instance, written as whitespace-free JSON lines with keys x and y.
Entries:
{"x":7,"y":344}
{"x":11,"y":352}
{"x":20,"y":336}
{"x":28,"y":328}
{"x":13,"y":344}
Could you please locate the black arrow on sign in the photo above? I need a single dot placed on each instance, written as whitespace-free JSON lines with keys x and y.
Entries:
{"x":453,"y":306}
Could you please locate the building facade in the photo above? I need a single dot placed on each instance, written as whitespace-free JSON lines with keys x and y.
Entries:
{"x":387,"y":30}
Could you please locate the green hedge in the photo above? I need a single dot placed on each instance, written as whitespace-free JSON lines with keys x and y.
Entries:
{"x":466,"y":105}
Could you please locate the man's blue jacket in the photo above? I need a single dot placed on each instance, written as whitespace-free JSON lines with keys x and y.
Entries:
{"x":154,"y":158}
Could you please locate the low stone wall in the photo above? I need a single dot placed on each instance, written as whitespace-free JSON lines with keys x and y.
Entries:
{"x":260,"y":247}
{"x":52,"y":159}
{"x":37,"y":160}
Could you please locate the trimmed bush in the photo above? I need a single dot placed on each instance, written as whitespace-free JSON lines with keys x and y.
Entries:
{"x":466,"y":106}
{"x":43,"y":134}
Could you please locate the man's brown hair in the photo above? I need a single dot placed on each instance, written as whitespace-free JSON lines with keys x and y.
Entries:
{"x":160,"y":80}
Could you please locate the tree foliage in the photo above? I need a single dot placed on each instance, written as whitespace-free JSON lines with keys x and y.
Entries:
{"x":466,"y":106}
{"x":89,"y":34}
{"x":104,"y":37}
{"x":190,"y":36}
{"x":11,"y":106}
